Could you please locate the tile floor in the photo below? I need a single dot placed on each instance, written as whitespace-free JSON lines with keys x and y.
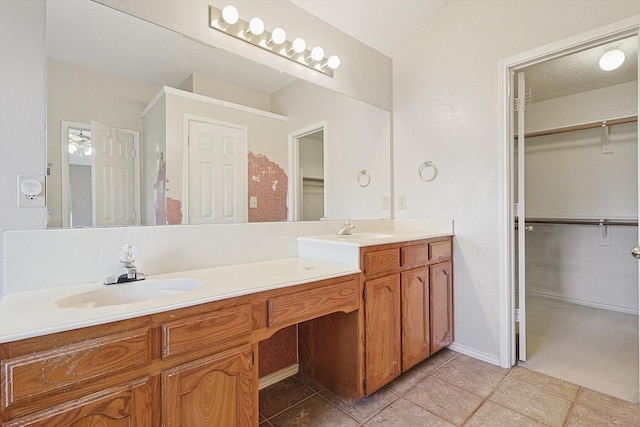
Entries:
{"x":449,"y":389}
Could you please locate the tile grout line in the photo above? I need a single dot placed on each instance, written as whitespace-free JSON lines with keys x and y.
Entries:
{"x":572,"y":407}
{"x":486,"y":399}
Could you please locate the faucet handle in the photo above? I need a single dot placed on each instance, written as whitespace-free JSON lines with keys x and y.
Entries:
{"x":128,"y":254}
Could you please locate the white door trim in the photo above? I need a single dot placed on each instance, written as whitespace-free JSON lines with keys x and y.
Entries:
{"x":294,"y":159}
{"x":626,"y":27}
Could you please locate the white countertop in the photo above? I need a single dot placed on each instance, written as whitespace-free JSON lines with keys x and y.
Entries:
{"x":35,"y":313}
{"x":373,"y":238}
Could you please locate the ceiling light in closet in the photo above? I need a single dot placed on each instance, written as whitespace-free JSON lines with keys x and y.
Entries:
{"x":611,"y":59}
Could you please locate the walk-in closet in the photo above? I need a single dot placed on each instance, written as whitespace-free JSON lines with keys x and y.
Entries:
{"x":581,"y":206}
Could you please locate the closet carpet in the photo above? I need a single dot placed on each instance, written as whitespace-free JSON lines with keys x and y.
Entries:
{"x":591,"y":347}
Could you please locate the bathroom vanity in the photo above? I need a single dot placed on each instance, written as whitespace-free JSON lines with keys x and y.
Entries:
{"x":191,"y":359}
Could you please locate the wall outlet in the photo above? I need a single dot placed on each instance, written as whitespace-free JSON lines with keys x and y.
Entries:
{"x":253,"y":202}
{"x":31,"y":191}
{"x":402,"y":201}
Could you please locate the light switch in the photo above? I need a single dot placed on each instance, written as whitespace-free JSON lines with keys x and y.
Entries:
{"x":402,"y":201}
{"x":385,"y":202}
{"x":253,"y":202}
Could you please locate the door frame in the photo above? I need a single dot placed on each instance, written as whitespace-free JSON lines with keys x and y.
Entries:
{"x":506,"y":219}
{"x":293,"y":196}
{"x":186,"y":118}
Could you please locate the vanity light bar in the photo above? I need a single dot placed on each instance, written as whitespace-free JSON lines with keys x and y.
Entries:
{"x":227,"y":20}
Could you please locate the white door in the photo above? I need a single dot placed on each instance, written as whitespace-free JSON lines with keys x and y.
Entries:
{"x":113,"y":174}
{"x":217,"y":173}
{"x":522,"y":314}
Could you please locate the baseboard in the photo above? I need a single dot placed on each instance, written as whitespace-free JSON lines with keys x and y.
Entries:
{"x":480,"y":355}
{"x":584,"y":303}
{"x":278,"y":376}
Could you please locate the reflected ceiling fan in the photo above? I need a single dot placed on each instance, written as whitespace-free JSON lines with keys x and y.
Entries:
{"x":79,"y":139}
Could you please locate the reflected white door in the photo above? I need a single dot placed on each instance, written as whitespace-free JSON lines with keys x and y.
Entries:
{"x":522,"y":312}
{"x":217,"y":173}
{"x":113,"y":174}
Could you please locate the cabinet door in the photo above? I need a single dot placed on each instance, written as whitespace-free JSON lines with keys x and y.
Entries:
{"x":441,"y":306}
{"x":382,"y":312}
{"x":130,"y":404}
{"x":213,"y":391}
{"x":416,"y":344}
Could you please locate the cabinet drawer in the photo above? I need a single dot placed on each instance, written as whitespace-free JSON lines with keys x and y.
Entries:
{"x":183,"y":335}
{"x":302,"y":306}
{"x":414,"y":255}
{"x":379,"y":261}
{"x":42,"y":372}
{"x":440,"y":250}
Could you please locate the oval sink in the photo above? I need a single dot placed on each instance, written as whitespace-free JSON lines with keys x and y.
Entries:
{"x":368,"y":236}
{"x":129,"y":293}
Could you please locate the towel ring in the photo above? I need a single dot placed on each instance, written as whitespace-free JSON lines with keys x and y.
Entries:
{"x":424,"y":166}
{"x":363,"y":178}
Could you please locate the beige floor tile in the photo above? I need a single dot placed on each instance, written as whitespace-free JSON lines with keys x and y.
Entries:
{"x":314,"y":412}
{"x":280,"y":396}
{"x":546,"y":383}
{"x":406,"y":381}
{"x":403,"y":413}
{"x":583,"y":416}
{"x":544,"y":407}
{"x":477,"y":377}
{"x":480,"y":363}
{"x":436,"y":360}
{"x":493,"y":415}
{"x":364,"y":408}
{"x":614,"y":406}
{"x":443,"y":399}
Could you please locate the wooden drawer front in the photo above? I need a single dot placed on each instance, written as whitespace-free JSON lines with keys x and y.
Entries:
{"x":378,"y":261}
{"x":414,"y":255}
{"x":302,"y":306}
{"x":34,"y":374}
{"x":184,"y":335}
{"x":440,"y":250}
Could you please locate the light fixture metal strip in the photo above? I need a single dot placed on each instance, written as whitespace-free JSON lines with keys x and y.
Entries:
{"x":284,"y":50}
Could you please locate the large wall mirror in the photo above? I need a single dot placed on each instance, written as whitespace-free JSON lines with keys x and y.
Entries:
{"x":148,"y":127}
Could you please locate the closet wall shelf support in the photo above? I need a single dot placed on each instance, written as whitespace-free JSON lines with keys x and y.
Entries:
{"x":582,"y":221}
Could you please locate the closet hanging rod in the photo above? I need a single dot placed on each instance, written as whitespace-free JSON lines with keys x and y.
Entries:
{"x":582,"y":221}
{"x":591,"y":125}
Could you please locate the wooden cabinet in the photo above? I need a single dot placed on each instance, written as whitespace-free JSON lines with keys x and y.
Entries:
{"x":383,"y":351}
{"x":213,"y":391}
{"x":129,"y":404}
{"x":441,"y":305}
{"x":408,"y":290}
{"x":194,"y":366}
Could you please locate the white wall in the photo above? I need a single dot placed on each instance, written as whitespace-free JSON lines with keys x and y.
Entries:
{"x":446,"y":86}
{"x":22,"y":109}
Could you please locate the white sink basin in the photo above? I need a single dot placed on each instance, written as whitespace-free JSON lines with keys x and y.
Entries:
{"x":129,"y":293}
{"x":367,"y":236}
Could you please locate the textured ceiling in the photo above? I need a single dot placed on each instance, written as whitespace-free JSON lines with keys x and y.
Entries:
{"x":375,"y":22}
{"x":580,"y":72}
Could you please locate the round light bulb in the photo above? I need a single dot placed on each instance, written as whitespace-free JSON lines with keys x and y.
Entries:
{"x":333,"y":62}
{"x":88,"y":151}
{"x":298,"y":45}
{"x":256,"y":26}
{"x":230,"y":14}
{"x":73,"y":147}
{"x":612,"y":59}
{"x":278,"y":36}
{"x":317,"y":53}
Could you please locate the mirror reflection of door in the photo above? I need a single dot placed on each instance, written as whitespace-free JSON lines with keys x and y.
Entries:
{"x":216,"y":172}
{"x":307,"y":167}
{"x":311,"y":164}
{"x":99,"y":169}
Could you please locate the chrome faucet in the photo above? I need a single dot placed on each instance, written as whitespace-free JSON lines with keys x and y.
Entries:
{"x":346,"y":228}
{"x":127,"y":259}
